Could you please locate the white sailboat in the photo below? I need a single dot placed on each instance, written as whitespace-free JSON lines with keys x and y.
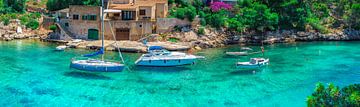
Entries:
{"x":89,"y":64}
{"x":160,"y":57}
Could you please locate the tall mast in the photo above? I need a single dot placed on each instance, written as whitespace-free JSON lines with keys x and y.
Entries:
{"x":102,"y":24}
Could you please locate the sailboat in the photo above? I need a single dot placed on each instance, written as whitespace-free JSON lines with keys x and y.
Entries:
{"x":95,"y":65}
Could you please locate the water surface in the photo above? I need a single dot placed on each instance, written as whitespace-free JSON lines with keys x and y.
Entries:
{"x":33,"y":74}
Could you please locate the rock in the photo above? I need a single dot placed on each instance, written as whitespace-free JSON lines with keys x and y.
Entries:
{"x":190,"y":36}
{"x":198,"y":48}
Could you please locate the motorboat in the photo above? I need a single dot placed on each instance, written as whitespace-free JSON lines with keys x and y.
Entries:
{"x":253,"y":63}
{"x":96,"y":65}
{"x":60,"y":48}
{"x":160,"y":57}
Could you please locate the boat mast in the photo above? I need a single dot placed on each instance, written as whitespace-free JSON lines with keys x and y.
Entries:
{"x":102,"y":28}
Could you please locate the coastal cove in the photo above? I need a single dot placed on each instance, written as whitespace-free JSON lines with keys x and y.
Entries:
{"x":33,"y":74}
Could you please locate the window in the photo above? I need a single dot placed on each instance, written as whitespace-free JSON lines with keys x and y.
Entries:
{"x":75,"y":17}
{"x":84,"y":17}
{"x":92,"y":17}
{"x":142,"y":12}
{"x":66,"y":24}
{"x":128,"y":15}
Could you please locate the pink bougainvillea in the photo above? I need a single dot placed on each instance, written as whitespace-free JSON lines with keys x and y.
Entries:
{"x":217,"y":6}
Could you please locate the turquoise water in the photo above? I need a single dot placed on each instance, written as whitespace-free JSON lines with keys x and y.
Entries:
{"x":32,"y":74}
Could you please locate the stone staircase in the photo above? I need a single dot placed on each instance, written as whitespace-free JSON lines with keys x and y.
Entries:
{"x":64,"y":30}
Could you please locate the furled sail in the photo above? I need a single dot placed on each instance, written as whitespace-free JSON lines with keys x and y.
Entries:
{"x":101,"y":51}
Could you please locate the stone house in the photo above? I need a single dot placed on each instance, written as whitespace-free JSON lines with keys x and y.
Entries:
{"x":126,"y":19}
{"x":84,"y":21}
{"x":133,"y":19}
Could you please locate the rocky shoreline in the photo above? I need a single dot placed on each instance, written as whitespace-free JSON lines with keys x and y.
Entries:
{"x":192,"y":40}
{"x":300,"y":36}
{"x":218,"y":38}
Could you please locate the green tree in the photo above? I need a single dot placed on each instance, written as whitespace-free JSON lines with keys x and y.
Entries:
{"x":217,"y":19}
{"x":32,"y":24}
{"x":185,"y":12}
{"x":7,"y":6}
{"x":332,"y":96}
{"x":54,"y":5}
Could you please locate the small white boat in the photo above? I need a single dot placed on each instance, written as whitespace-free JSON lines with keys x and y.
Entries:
{"x":246,"y":48}
{"x":61,"y":48}
{"x":237,"y":53}
{"x":253,"y":63}
{"x":76,"y":41}
{"x":160,"y":57}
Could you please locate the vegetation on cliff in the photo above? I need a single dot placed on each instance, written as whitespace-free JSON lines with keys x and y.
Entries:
{"x":332,"y":96}
{"x":12,"y":6}
{"x":266,"y":15}
{"x":53,"y":5}
{"x":15,"y":9}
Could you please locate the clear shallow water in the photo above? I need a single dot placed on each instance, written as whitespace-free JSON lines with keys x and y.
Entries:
{"x":32,"y":74}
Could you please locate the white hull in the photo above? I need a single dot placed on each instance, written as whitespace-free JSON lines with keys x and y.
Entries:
{"x":97,"y":66}
{"x":165,"y":62}
{"x":60,"y":48}
{"x":248,"y":65}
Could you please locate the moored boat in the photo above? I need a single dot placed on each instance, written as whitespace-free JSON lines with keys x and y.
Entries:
{"x":96,"y":65}
{"x":253,"y":63}
{"x":160,"y":57}
{"x":60,"y":48}
{"x":237,"y":53}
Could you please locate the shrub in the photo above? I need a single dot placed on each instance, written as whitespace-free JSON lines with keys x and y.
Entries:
{"x":35,"y":15}
{"x":53,"y":27}
{"x":217,"y":19}
{"x":332,"y":96}
{"x":32,"y":24}
{"x":6,"y":21}
{"x":203,"y":22}
{"x":217,"y":6}
{"x":186,"y":12}
{"x":24,"y":19}
{"x":201,"y":31}
{"x":173,"y":40}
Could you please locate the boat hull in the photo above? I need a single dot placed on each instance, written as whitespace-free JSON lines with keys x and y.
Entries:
{"x":165,"y":63}
{"x":249,"y":66}
{"x":97,"y":67}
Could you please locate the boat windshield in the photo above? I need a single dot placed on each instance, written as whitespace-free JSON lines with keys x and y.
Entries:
{"x":159,"y":52}
{"x":253,"y":61}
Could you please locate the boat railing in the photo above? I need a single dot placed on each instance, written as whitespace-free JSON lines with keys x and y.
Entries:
{"x":87,"y":58}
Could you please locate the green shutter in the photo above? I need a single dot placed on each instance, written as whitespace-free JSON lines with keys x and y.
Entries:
{"x":94,"y":17}
{"x":84,"y":17}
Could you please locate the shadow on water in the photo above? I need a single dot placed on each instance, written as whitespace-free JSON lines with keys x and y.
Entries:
{"x":245,"y":72}
{"x":85,"y":75}
{"x":161,"y":69}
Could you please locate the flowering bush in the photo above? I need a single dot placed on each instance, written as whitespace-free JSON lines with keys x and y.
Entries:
{"x":217,"y":6}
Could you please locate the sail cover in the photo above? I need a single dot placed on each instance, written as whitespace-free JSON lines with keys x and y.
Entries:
{"x":155,"y":48}
{"x":101,"y":51}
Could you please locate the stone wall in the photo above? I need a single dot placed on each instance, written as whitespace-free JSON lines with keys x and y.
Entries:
{"x":167,"y":24}
{"x":80,"y":27}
